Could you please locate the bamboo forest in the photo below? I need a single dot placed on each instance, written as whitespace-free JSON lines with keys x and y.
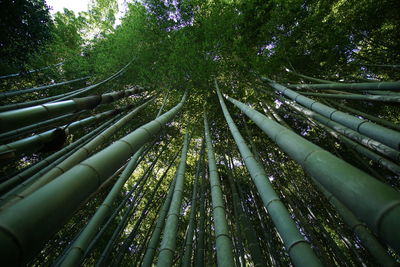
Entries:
{"x":200,"y":133}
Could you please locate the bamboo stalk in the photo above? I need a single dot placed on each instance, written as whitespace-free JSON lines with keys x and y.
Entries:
{"x":309,"y":78}
{"x":299,"y":250}
{"x":350,"y":86}
{"x":168,"y":243}
{"x":375,"y":203}
{"x":370,"y":242}
{"x":39,"y":88}
{"x":155,"y":236}
{"x":55,"y":137}
{"x":102,"y":261}
{"x":186,"y":261}
{"x":367,"y":116}
{"x":386,"y":136}
{"x":79,"y":155}
{"x":359,"y":138}
{"x":40,"y":167}
{"x":14,"y":119}
{"x":21,"y":238}
{"x":200,"y":255}
{"x":221,"y":228}
{"x":379,"y":98}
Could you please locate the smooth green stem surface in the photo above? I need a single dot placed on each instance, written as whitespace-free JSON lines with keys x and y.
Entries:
{"x":223,"y":241}
{"x":379,"y":133}
{"x":299,"y":250}
{"x":374,"y":202}
{"x":20,"y":239}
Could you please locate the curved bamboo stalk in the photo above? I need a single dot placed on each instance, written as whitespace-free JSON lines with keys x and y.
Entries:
{"x":61,"y":97}
{"x":91,"y":87}
{"x":14,"y":119}
{"x":367,"y":238}
{"x":14,"y":134}
{"x":186,"y":260}
{"x":54,"y":136}
{"x":350,"y":86}
{"x":121,"y":205}
{"x":377,"y":132}
{"x":102,"y":261}
{"x":39,"y":88}
{"x":140,"y":254}
{"x":299,"y":250}
{"x":167,"y":247}
{"x":21,"y":238}
{"x":79,"y":155}
{"x":308,"y":77}
{"x":128,"y":214}
{"x":80,"y":246}
{"x":359,"y":138}
{"x":199,"y":260}
{"x":244,"y":223}
{"x":29,"y":71}
{"x":379,"y":98}
{"x":391,"y":166}
{"x":155,"y":236}
{"x":375,"y":203}
{"x":146,"y":209}
{"x":36,"y":102}
{"x":367,"y":116}
{"x":221,"y":228}
{"x":373,"y":92}
{"x":41,"y":167}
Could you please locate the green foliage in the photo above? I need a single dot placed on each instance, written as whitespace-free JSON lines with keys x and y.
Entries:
{"x":178,"y":46}
{"x":24,"y":29}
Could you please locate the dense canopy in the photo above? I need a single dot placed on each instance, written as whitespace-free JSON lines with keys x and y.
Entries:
{"x":200,"y":133}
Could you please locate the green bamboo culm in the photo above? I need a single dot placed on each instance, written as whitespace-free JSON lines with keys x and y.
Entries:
{"x":375,"y":203}
{"x":359,"y":138}
{"x":371,"y":243}
{"x":156,"y":234}
{"x":60,"y":97}
{"x":14,"y":119}
{"x":40,"y":168}
{"x":367,"y":116}
{"x":349,"y":86}
{"x":36,"y":102}
{"x":152,"y":202}
{"x":379,"y":98}
{"x":168,"y":243}
{"x":93,"y":86}
{"x":39,"y":88}
{"x":52,"y":139}
{"x":385,"y":136}
{"x":244,"y":223}
{"x":186,"y":261}
{"x":223,"y":241}
{"x":299,"y":250}
{"x":29,"y":71}
{"x":132,"y":209}
{"x":199,"y":260}
{"x":309,"y":78}
{"x":20,"y":239}
{"x":78,"y":155}
{"x":80,"y":245}
{"x":51,"y":123}
{"x":389,"y":165}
